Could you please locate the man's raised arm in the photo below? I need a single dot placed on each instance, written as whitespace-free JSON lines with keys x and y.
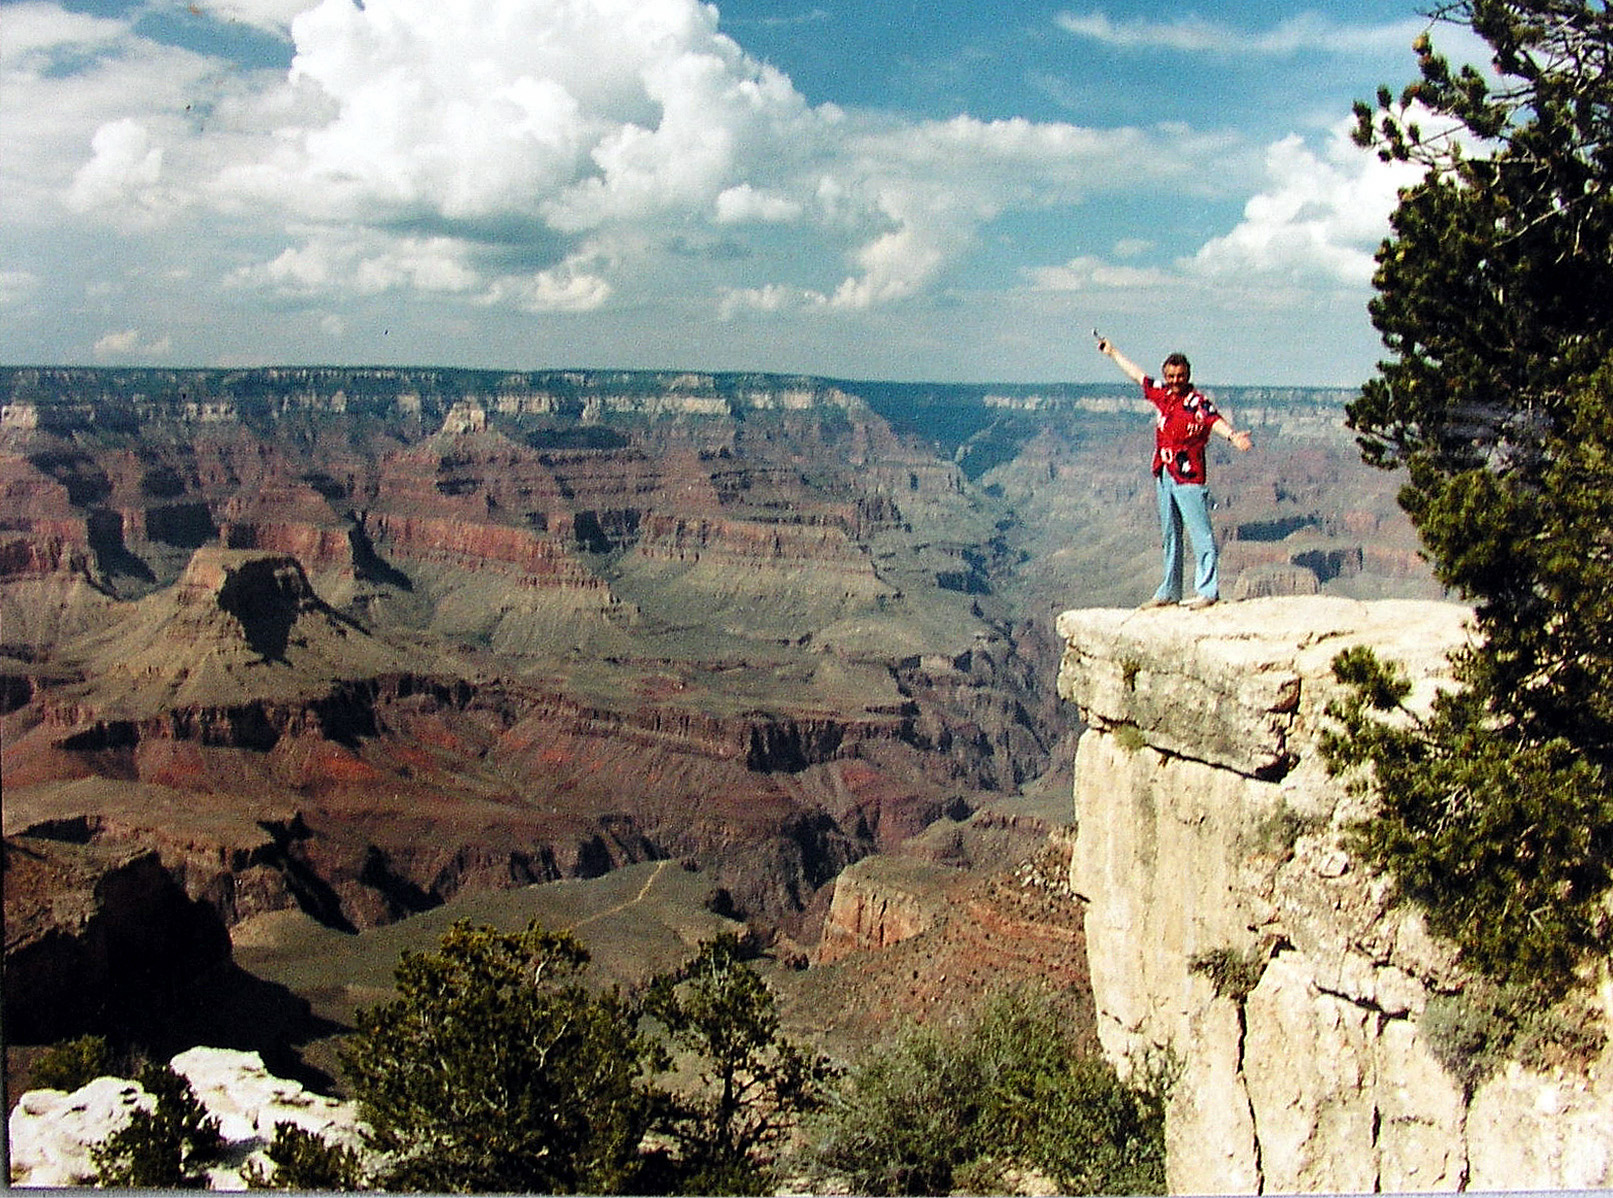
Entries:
{"x":1133,"y":371}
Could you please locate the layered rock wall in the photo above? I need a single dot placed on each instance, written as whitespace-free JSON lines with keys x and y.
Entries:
{"x":878,"y":902}
{"x":1228,"y":922}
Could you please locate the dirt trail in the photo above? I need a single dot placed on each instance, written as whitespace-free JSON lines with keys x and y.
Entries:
{"x":643,"y":893}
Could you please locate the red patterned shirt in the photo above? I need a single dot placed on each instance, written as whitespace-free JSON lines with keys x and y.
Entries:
{"x":1181,"y":432}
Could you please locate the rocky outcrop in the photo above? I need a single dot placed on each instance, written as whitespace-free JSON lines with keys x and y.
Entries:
{"x":906,"y":938}
{"x":97,"y":937}
{"x":52,"y":1133}
{"x":878,"y":902}
{"x":1228,"y":922}
{"x":275,"y":753}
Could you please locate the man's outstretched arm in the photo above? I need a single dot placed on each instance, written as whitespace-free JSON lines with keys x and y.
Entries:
{"x":1133,"y":371}
{"x":1241,"y":440}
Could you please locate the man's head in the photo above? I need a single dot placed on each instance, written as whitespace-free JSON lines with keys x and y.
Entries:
{"x":1178,"y":374}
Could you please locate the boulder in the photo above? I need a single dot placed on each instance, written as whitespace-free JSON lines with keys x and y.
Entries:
{"x":53,"y":1133}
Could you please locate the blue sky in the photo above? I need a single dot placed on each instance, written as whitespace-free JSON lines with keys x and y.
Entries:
{"x":892,"y":189}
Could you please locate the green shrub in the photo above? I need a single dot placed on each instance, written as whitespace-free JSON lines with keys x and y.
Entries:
{"x":1231,"y":973}
{"x":1497,"y":399}
{"x":496,"y":1070}
{"x":1130,"y":738}
{"x":1007,"y":1088}
{"x":306,"y":1161}
{"x":73,"y":1063}
{"x":1130,"y":667}
{"x":904,"y":1117}
{"x":1474,"y":1032}
{"x":1504,"y":843}
{"x":1275,"y":833}
{"x":165,"y":1146}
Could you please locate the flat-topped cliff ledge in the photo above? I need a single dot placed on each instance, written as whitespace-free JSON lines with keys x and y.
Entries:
{"x":1227,"y":921}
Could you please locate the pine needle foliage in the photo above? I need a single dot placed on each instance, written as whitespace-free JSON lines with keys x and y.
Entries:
{"x":305,"y":1161}
{"x":495,"y":1070}
{"x":164,"y":1146}
{"x":754,"y":1083}
{"x":73,"y":1063}
{"x":1495,"y":301}
{"x":1505,"y":844}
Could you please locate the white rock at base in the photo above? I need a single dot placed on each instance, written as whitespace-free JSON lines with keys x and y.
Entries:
{"x":52,"y":1133}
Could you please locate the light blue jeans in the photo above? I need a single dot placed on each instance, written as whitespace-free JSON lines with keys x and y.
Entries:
{"x":1186,"y":504}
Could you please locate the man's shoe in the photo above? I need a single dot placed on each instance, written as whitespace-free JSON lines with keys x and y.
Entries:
{"x":1156,"y":602}
{"x":1200,"y":602}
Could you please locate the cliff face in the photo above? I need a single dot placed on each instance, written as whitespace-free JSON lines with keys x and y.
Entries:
{"x":93,"y":935}
{"x":1211,"y":835}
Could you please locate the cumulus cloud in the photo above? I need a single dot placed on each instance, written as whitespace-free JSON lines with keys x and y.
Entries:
{"x":1321,"y":217}
{"x":366,"y":265}
{"x":42,"y":34}
{"x":771,"y":298}
{"x":570,"y":288}
{"x":112,"y":124}
{"x":575,"y":113}
{"x":124,"y":169}
{"x":1313,"y":228}
{"x":130,"y":344}
{"x":591,"y":137}
{"x":1089,"y":273}
{"x":743,"y":204}
{"x":512,"y":157}
{"x":1191,"y":33}
{"x":535,"y":131}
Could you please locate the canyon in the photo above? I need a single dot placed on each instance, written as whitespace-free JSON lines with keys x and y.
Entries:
{"x":304,"y":653}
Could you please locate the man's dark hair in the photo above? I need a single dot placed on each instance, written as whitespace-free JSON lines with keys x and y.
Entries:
{"x":1178,"y":360}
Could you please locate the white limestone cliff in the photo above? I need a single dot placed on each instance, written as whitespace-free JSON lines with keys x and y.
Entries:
{"x":1208,"y":825}
{"x":53,"y":1133}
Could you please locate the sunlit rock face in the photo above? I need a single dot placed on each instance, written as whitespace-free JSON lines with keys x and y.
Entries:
{"x":1228,"y":922}
{"x":53,"y":1133}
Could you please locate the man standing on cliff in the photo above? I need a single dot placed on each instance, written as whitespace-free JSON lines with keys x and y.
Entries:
{"x":1186,"y":420}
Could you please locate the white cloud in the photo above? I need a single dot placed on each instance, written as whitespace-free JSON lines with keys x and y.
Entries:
{"x":499,"y":158}
{"x":130,"y":344}
{"x":39,"y":35}
{"x":566,"y":289}
{"x":1191,"y":33}
{"x":1313,"y":229}
{"x":1321,"y":218}
{"x":433,"y":264}
{"x":1088,"y":274}
{"x":744,"y":204}
{"x":115,"y":126}
{"x":572,"y":125}
{"x":574,"y":113}
{"x":124,"y":170}
{"x":933,"y":185}
{"x":771,"y":298}
{"x":364,"y":264}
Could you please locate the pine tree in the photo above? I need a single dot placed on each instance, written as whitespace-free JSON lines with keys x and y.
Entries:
{"x":496,"y":1070}
{"x":1495,"y":300}
{"x":753,"y":1084}
{"x":166,"y":1144}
